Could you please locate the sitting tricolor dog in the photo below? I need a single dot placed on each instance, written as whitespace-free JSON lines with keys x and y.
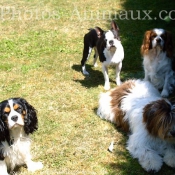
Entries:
{"x":18,"y":119}
{"x":108,"y":47}
{"x":138,"y":107}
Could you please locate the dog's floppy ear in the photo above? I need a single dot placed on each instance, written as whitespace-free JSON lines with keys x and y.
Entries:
{"x":158,"y":116}
{"x":30,"y":119}
{"x":115,"y":29}
{"x":99,"y":31}
{"x":169,"y":47}
{"x":4,"y":132}
{"x":146,"y":44}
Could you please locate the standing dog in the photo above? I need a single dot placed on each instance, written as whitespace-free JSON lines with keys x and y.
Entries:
{"x":157,"y":52}
{"x":18,"y":119}
{"x":108,"y":47}
{"x":138,"y":107}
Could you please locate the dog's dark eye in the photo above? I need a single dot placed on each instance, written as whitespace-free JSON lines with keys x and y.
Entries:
{"x":163,"y":36}
{"x":153,"y":36}
{"x":19,"y":109}
{"x":5,"y":115}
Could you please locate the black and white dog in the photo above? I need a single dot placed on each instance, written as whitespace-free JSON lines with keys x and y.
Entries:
{"x":108,"y":47}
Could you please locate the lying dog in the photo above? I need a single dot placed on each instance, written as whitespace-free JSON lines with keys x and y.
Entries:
{"x":18,"y":119}
{"x":157,"y":51}
{"x":108,"y":47}
{"x":138,"y":107}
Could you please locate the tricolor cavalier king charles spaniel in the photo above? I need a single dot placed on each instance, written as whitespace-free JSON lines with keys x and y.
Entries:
{"x":18,"y":119}
{"x":157,"y":52}
{"x":138,"y":107}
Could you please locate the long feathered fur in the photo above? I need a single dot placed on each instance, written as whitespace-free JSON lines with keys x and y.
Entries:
{"x":157,"y":52}
{"x":138,"y":107}
{"x":14,"y":135}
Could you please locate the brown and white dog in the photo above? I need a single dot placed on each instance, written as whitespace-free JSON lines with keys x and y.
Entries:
{"x":108,"y":47}
{"x":157,"y":51}
{"x":138,"y":107}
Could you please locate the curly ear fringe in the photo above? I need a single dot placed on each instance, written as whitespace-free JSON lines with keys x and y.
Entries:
{"x":146,"y":45}
{"x":4,"y":132}
{"x":30,"y":120}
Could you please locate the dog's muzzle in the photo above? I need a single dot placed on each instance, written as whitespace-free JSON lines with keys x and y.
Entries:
{"x":112,"y":46}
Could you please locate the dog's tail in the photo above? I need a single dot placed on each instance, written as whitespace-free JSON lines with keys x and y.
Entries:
{"x":98,"y":30}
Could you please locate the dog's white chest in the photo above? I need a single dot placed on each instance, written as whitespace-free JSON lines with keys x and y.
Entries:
{"x":114,"y":55}
{"x":158,"y":70}
{"x":157,"y":66}
{"x":15,"y":154}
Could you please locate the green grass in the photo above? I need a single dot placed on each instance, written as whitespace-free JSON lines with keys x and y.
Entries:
{"x":40,"y":61}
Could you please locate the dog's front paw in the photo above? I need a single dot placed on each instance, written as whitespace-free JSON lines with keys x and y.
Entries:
{"x":95,"y":65}
{"x":84,"y":71}
{"x":5,"y":173}
{"x":107,"y":86}
{"x":33,"y":166}
{"x":169,"y":157}
{"x":118,"y":82}
{"x":164,"y":93}
{"x":151,"y":162}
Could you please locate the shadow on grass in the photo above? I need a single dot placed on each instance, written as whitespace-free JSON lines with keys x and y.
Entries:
{"x":94,"y":79}
{"x":132,"y":167}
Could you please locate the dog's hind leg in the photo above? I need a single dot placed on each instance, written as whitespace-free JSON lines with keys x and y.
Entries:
{"x":118,"y":70}
{"x":86,"y":54}
{"x":95,"y":57}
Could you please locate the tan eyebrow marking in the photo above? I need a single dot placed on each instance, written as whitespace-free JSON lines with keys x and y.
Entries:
{"x":16,"y":106}
{"x":6,"y":109}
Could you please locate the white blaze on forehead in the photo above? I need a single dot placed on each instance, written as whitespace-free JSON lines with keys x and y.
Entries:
{"x":109,"y":35}
{"x":12,"y":113}
{"x":13,"y":106}
{"x":159,"y":31}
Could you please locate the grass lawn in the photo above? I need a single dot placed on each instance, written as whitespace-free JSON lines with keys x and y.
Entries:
{"x":41,"y":45}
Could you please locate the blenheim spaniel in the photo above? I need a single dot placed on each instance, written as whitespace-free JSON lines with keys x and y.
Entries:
{"x":157,"y":51}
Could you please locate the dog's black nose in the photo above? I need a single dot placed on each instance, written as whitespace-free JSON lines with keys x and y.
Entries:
{"x":111,"y":42}
{"x":158,"y":40}
{"x":14,"y":118}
